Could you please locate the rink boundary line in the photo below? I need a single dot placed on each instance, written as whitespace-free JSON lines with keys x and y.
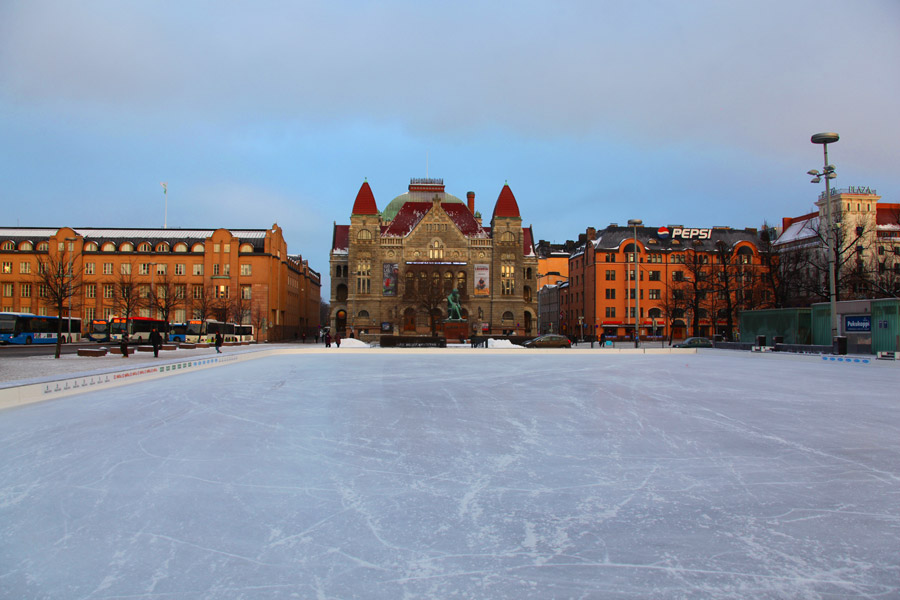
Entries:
{"x":68,"y":385}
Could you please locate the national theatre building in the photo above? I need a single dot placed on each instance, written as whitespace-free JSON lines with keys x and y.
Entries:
{"x":392,"y":270}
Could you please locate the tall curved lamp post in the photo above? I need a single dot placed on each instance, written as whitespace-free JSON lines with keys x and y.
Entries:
{"x":637,"y":287}
{"x":828,"y":174}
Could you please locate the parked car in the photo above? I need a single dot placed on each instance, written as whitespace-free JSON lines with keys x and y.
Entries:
{"x":549,"y":340}
{"x":694,"y":342}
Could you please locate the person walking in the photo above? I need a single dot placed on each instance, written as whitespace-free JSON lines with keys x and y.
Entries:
{"x":327,"y":340}
{"x":337,"y":339}
{"x":219,"y":342}
{"x":156,"y":342}
{"x":123,"y":345}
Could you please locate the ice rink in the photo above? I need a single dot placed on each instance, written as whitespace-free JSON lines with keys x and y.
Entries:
{"x":461,"y":475}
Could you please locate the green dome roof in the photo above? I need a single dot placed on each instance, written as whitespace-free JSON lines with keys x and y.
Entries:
{"x":390,"y":211}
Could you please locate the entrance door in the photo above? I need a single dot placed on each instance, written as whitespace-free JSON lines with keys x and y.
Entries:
{"x":409,"y":319}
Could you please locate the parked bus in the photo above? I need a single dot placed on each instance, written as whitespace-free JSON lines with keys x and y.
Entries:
{"x":226,"y":329}
{"x":99,"y":330}
{"x":177,"y":332}
{"x":195,"y":331}
{"x":137,"y":328}
{"x":27,"y":328}
{"x":244,"y":333}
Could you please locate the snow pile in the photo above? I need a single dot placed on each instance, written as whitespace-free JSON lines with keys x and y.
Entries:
{"x":353,"y":343}
{"x":492,"y":343}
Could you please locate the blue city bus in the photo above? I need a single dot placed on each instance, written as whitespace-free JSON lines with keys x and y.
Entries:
{"x":177,"y":332}
{"x":99,"y":330}
{"x":27,"y":328}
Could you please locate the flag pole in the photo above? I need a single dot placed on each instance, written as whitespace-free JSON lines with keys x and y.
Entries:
{"x":165,"y":186}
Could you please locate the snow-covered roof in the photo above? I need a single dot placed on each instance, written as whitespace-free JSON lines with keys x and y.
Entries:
{"x":129,"y":234}
{"x":799,"y":231}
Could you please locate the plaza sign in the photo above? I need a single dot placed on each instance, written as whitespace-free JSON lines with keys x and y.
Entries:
{"x":857,"y":324}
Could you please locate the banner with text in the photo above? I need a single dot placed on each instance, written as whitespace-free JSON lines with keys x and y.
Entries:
{"x":482,"y":280}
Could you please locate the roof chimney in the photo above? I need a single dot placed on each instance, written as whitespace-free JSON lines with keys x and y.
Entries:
{"x":470,"y":197}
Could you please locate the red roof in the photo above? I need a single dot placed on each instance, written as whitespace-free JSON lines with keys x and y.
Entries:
{"x":341,"y":239}
{"x":887,"y":214}
{"x":506,"y":204}
{"x":527,"y":241}
{"x":365,"y":201}
{"x":411,"y":213}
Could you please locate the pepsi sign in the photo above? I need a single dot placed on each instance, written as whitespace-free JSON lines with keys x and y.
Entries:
{"x":686,"y":233}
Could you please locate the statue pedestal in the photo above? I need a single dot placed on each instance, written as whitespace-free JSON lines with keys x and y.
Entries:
{"x":456,"y":331}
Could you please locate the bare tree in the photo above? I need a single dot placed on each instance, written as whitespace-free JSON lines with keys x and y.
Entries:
{"x":59,"y":283}
{"x":854,"y":259}
{"x":775,"y":270}
{"x":258,"y":318}
{"x":127,"y":298}
{"x":163,"y":297}
{"x":428,"y":292}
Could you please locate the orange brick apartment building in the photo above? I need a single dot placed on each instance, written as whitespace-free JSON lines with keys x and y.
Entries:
{"x":244,"y":276}
{"x":691,"y":281}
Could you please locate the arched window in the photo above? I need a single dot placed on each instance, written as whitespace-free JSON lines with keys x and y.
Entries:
{"x":654,"y":313}
{"x":180,"y":247}
{"x":436,"y":250}
{"x":90,"y":247}
{"x":341,"y":292}
{"x":145,"y":247}
{"x":364,"y":234}
{"x":26,"y":246}
{"x":448,"y":281}
{"x":745,"y":255}
{"x":9,"y":246}
{"x":528,"y":273}
{"x":246,"y":248}
{"x":162,"y":247}
{"x":507,"y":237}
{"x":109,"y":247}
{"x":461,"y":282}
{"x":526,"y":293}
{"x":126,"y":247}
{"x":43,"y":246}
{"x":198,"y":247}
{"x":507,"y":317}
{"x":363,"y":314}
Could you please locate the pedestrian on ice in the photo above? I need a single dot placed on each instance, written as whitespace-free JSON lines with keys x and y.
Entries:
{"x":219,"y":341}
{"x":327,"y":340}
{"x":155,"y":341}
{"x":337,"y":339}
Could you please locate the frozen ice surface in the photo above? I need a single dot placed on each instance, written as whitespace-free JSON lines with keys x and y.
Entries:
{"x":461,"y":475}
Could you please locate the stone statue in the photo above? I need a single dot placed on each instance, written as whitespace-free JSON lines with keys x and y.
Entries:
{"x":454,"y":310}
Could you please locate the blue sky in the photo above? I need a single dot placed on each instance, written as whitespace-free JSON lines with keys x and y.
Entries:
{"x":683,"y":112}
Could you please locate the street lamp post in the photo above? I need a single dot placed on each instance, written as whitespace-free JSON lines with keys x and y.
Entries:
{"x":829,"y":174}
{"x":69,"y":274}
{"x":637,"y":287}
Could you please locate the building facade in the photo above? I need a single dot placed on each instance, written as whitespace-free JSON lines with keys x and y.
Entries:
{"x":866,"y":248}
{"x":688,"y":281}
{"x":244,"y":276}
{"x":391,"y":270}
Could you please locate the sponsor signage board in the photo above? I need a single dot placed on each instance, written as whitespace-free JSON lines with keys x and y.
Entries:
{"x":684,"y":233}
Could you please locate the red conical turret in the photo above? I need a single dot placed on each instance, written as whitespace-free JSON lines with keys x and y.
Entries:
{"x":365,"y":201}
{"x":506,"y":204}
